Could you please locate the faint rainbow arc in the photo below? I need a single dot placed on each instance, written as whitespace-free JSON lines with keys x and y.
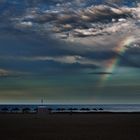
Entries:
{"x":112,"y":63}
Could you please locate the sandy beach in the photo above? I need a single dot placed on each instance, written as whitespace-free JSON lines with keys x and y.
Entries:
{"x":96,"y":126}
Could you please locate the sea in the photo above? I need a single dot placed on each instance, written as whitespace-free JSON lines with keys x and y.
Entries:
{"x":77,"y":107}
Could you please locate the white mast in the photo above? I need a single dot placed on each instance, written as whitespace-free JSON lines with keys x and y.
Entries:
{"x":42,"y":101}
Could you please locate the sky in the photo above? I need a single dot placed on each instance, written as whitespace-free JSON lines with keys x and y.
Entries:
{"x":70,"y":51}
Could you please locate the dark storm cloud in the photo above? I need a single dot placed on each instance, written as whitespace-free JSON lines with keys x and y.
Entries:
{"x":100,"y":73}
{"x":30,"y":66}
{"x":131,"y":60}
{"x":67,"y":20}
{"x":43,"y":35}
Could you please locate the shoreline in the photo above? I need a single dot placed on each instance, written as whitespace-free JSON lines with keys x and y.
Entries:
{"x":71,"y":112}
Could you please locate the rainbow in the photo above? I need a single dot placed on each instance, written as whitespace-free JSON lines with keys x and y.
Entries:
{"x":112,"y":63}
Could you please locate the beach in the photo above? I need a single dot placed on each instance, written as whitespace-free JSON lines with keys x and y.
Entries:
{"x":82,"y":126}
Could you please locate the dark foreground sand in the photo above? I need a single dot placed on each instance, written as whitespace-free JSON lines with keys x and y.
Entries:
{"x":101,"y":126}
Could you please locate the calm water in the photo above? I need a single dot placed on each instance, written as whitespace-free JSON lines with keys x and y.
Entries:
{"x":105,"y":107}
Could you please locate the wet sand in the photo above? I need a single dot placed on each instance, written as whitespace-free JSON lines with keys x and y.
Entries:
{"x":96,"y":126}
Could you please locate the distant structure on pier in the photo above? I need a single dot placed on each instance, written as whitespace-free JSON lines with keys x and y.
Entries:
{"x":42,"y":109}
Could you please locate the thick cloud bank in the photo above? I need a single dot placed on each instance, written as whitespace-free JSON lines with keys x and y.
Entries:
{"x":80,"y":32}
